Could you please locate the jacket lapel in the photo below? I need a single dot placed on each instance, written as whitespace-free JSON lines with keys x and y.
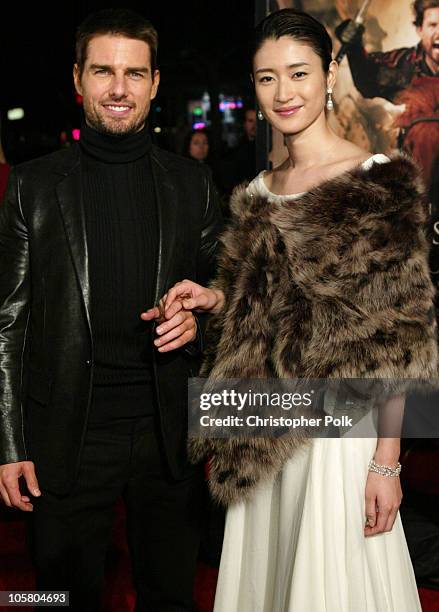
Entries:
{"x":69,"y":194}
{"x":166,"y":198}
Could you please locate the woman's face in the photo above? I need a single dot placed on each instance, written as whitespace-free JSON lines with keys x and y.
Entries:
{"x":290,"y":84}
{"x":199,"y":146}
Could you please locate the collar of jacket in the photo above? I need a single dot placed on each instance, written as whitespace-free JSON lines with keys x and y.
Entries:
{"x":420,"y":62}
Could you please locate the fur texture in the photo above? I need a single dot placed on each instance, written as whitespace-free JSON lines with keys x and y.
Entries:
{"x":334,"y":284}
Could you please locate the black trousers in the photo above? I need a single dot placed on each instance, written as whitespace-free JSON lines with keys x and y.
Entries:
{"x":69,"y":535}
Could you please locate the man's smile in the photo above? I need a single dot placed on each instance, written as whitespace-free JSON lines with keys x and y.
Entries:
{"x":117,"y":109}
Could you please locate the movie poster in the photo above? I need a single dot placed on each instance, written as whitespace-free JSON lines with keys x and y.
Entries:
{"x":387,"y":94}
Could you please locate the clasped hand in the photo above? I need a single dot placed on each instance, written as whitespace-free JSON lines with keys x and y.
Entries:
{"x":176,"y":323}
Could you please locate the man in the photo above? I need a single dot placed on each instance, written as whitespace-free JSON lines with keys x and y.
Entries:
{"x":250,"y":124}
{"x":407,"y":76}
{"x":92,"y":406}
{"x":4,"y":169}
{"x":387,"y":74}
{"x":404,"y":76}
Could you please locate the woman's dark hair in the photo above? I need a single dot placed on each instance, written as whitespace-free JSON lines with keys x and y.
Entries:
{"x":188,"y":139}
{"x":420,"y":6}
{"x":298,"y":25}
{"x":116,"y":22}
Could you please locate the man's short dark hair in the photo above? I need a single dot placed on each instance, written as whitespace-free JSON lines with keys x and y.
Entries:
{"x":420,"y":6}
{"x":115,"y":22}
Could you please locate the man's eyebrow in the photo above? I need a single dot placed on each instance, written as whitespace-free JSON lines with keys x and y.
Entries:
{"x":296,"y":65}
{"x":101,"y":66}
{"x":139,"y":69}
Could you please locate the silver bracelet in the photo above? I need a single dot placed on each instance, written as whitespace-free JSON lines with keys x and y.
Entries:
{"x":384,"y":470}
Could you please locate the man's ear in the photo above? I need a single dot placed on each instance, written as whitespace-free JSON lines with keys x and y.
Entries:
{"x":155,"y":83}
{"x":77,"y":79}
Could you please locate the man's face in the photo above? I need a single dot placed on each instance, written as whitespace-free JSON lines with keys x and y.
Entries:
{"x":429,"y":35}
{"x":250,"y":124}
{"x":116,"y":84}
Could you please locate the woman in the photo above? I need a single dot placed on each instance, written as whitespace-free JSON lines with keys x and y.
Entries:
{"x":196,"y":145}
{"x":323,"y":273}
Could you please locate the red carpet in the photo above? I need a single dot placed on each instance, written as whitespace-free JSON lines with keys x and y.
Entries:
{"x":16,"y":571}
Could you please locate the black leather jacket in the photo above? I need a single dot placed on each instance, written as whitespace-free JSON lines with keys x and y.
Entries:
{"x":46,"y":340}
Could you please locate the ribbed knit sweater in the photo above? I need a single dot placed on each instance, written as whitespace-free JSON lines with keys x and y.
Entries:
{"x":122,"y":240}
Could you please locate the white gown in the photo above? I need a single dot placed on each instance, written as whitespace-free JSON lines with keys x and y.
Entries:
{"x":298,"y":544}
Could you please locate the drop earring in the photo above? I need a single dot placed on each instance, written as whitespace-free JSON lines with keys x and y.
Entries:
{"x":329,"y":101}
{"x":260,"y":115}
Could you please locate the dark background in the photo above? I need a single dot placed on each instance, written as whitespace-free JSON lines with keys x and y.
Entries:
{"x":203,"y":46}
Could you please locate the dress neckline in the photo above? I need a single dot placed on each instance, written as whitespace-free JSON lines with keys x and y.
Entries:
{"x":258,"y":184}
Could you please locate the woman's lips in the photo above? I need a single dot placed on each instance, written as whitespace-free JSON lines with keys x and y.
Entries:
{"x":287,"y":112}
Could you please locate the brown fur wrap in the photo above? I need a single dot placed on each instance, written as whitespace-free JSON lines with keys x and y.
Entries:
{"x":334,"y":284}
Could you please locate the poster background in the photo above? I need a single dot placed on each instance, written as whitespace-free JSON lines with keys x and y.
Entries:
{"x":371,"y":123}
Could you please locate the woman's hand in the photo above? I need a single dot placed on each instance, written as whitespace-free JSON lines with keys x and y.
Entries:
{"x":193,"y":297}
{"x":383,"y":493}
{"x":383,"y":498}
{"x":177,"y":325}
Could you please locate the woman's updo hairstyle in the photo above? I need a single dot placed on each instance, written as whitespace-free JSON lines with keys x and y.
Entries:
{"x":300,"y":26}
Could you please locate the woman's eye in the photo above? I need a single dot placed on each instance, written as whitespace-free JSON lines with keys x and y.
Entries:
{"x":299,"y":75}
{"x":265,"y":79}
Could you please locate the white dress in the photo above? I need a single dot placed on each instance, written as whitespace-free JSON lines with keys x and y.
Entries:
{"x":297,"y":545}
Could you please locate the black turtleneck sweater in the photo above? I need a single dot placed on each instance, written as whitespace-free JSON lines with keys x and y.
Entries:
{"x":122,"y":240}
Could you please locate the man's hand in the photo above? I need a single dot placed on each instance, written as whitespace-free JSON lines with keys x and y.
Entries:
{"x":349,"y":32}
{"x":9,"y":489}
{"x":177,"y":326}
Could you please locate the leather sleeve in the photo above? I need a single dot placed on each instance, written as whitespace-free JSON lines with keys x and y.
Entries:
{"x":212,"y":226}
{"x":14,"y":318}
{"x":207,"y":256}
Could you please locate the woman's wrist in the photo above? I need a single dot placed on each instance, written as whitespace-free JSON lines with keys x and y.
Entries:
{"x":388,"y":451}
{"x":219,"y":303}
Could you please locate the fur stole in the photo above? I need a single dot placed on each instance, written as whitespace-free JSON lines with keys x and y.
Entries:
{"x":334,"y":284}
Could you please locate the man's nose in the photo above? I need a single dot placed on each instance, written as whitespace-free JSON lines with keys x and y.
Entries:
{"x":118,"y":87}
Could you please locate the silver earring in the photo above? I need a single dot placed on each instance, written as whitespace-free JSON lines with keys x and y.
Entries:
{"x":329,"y":101}
{"x":260,"y":115}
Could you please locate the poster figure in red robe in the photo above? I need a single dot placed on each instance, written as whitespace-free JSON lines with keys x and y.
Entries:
{"x":406,"y":76}
{"x":387,"y":93}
